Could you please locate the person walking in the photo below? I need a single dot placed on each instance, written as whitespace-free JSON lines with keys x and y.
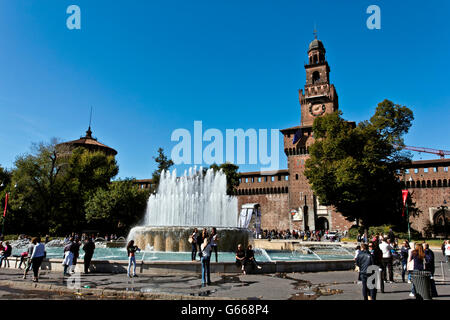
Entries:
{"x":417,"y":261}
{"x":430,"y":266}
{"x":404,"y":253}
{"x":214,"y":239}
{"x":193,"y":240}
{"x":377,"y":256}
{"x":68,"y":257}
{"x":386,"y":248}
{"x":206,"y":258}
{"x":76,"y":252}
{"x":131,"y":251}
{"x":7,"y":250}
{"x":443,"y":249}
{"x":240,"y":258}
{"x":28,"y":261}
{"x":447,"y":252}
{"x":363,"y":261}
{"x":88,"y":248}
{"x":37,"y":257}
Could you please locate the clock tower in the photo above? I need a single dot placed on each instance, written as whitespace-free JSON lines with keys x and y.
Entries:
{"x":319,"y":96}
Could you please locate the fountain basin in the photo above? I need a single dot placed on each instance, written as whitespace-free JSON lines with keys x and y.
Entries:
{"x":175,"y":239}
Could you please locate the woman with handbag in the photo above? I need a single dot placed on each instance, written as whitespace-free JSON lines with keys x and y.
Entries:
{"x":416,"y":262}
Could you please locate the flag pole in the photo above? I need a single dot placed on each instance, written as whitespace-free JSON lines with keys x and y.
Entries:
{"x":4,"y":214}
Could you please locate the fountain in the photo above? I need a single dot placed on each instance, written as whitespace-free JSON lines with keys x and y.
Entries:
{"x":197,"y":199}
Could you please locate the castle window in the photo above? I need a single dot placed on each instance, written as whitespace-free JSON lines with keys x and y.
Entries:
{"x":272,"y":178}
{"x":425,"y":170}
{"x":259,"y":179}
{"x":246,"y":180}
{"x":445,"y":169}
{"x":407,"y":171}
{"x":253,"y":179}
{"x":315,"y":77}
{"x":286,"y":178}
{"x":433,"y":183}
{"x":416,"y":170}
{"x":279,"y":178}
{"x":296,"y":177}
{"x":435,"y":169}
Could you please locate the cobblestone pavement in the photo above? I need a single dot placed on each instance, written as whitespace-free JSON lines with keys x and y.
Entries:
{"x":337,"y":285}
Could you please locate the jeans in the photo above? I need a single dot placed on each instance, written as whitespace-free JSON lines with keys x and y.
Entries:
{"x":132,"y":260}
{"x":36,"y":264}
{"x":365,"y":290}
{"x":387,"y":264}
{"x":87,"y":262}
{"x":206,"y":270}
{"x":214,"y":248}
{"x":194,"y":251}
{"x":6,"y":260}
{"x":404,"y":271}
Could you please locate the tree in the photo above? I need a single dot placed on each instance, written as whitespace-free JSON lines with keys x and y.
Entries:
{"x":36,"y":189}
{"x":49,"y":187}
{"x":164,"y":164}
{"x":118,"y":207}
{"x":86,"y":172}
{"x":355,"y":168}
{"x":231,"y":173}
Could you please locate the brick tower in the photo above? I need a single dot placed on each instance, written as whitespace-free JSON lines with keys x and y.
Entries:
{"x":319,"y":97}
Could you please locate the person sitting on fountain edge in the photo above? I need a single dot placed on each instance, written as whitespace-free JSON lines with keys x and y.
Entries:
{"x":250,"y":257}
{"x":240,"y":258}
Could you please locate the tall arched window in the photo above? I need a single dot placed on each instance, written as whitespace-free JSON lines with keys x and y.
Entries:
{"x":315,"y":77}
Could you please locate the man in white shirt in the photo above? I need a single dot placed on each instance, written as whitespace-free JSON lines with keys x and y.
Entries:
{"x":386,"y":248}
{"x":447,"y":252}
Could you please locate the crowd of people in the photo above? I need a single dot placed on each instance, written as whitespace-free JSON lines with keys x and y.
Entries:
{"x":313,"y":235}
{"x":204,"y":244}
{"x":94,"y":237}
{"x":380,"y":251}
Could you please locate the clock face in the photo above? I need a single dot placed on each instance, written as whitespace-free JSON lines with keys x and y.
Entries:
{"x":317,"y":109}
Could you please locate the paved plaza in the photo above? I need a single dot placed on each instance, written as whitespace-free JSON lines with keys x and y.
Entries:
{"x":337,"y":285}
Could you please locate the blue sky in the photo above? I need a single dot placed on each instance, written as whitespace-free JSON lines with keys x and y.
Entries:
{"x":150,"y":67}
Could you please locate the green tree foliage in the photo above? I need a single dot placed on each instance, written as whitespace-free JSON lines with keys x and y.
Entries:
{"x":49,"y":187}
{"x":164,"y":164}
{"x":85,"y":173}
{"x":355,"y":168}
{"x":36,"y":189}
{"x":231,"y":172}
{"x":118,"y":207}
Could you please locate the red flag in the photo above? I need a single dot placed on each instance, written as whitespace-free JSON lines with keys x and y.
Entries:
{"x":404,"y":197}
{"x":6,"y":205}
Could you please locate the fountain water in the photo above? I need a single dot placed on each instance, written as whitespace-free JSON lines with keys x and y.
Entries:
{"x":195,"y":200}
